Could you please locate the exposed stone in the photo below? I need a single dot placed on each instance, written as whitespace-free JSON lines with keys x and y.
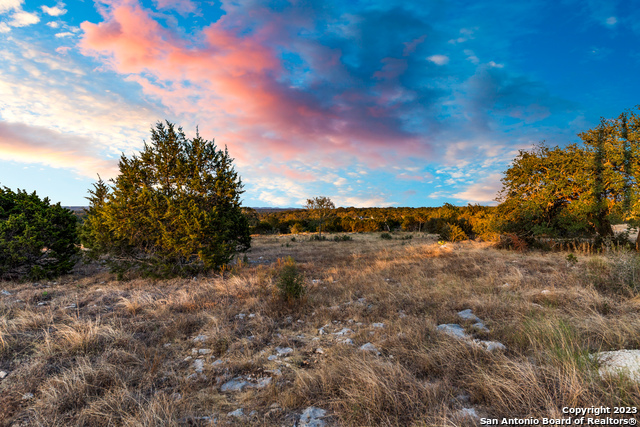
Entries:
{"x":321,"y":331}
{"x":468,"y":413}
{"x":319,"y":350}
{"x":240,"y":316}
{"x":240,"y":383}
{"x":347,"y":341}
{"x":272,"y":357}
{"x":5,"y":292}
{"x":3,"y":375}
{"x":27,"y":396}
{"x":198,"y":365}
{"x":378,"y":325}
{"x":480,"y":327}
{"x":236,"y":384}
{"x":493,"y":345}
{"x":282,"y":351}
{"x":204,"y":351}
{"x":217,"y":362}
{"x":453,"y":330}
{"x":468,"y":315}
{"x":238,"y":413}
{"x":343,"y":332}
{"x":312,"y":417}
{"x":200,"y":338}
{"x":626,"y":362}
{"x":369,"y":347}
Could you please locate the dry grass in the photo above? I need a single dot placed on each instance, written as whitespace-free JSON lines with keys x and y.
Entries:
{"x":94,"y":351}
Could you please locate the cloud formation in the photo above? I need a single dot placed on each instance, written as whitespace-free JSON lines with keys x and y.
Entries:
{"x":33,"y":144}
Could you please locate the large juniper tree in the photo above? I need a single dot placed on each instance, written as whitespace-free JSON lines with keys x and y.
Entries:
{"x":174,"y":209}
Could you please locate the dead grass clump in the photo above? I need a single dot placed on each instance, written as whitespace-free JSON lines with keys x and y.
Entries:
{"x":366,"y":390}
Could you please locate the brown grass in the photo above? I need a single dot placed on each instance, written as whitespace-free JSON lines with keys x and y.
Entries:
{"x":102,"y":352}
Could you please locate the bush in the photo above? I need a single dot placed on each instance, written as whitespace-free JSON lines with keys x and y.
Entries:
{"x":386,"y":236}
{"x":37,"y":239}
{"x":452,"y":233}
{"x":291,"y":281}
{"x":343,"y":238}
{"x":173,"y":210}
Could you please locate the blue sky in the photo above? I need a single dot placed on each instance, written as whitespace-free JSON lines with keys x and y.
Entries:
{"x":372,"y":103}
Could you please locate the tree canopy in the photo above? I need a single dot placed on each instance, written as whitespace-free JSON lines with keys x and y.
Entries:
{"x":174,"y":209}
{"x":321,"y":207}
{"x":579,"y":189}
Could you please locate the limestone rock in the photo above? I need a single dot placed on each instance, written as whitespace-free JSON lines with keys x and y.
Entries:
{"x":312,"y":417}
{"x":454,"y":330}
{"x":625,"y":362}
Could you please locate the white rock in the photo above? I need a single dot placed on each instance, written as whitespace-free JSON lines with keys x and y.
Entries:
{"x":5,"y":292}
{"x":204,"y":351}
{"x":343,"y":332}
{"x":321,"y":331}
{"x":27,"y":396}
{"x":188,"y":358}
{"x":347,"y":341}
{"x":240,"y":316}
{"x":263,"y":382}
{"x":480,"y":327}
{"x":198,"y":364}
{"x":468,"y":315}
{"x":468,"y":413}
{"x":369,"y":347}
{"x":378,"y":325}
{"x":319,"y":350}
{"x":238,"y":413}
{"x":453,"y":330}
{"x":312,"y":417}
{"x":236,"y":384}
{"x":3,"y":375}
{"x":282,"y":351}
{"x":493,"y":345}
{"x":252,"y":315}
{"x":626,"y":362}
{"x":200,"y":338}
{"x":217,"y":362}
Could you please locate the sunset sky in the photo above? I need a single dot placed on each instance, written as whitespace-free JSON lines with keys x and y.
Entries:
{"x":372,"y":103}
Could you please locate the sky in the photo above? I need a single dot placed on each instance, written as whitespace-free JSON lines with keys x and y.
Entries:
{"x":368,"y":102}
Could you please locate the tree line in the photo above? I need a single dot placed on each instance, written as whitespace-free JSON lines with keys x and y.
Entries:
{"x":174,"y":208}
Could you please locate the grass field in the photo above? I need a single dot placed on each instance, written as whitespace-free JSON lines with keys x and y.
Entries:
{"x":89,"y":350}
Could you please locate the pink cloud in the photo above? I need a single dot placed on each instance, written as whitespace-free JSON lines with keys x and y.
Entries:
{"x":235,"y":94}
{"x":32,"y":144}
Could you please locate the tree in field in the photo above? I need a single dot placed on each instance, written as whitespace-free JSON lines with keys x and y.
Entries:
{"x":37,"y":239}
{"x":174,"y":209}
{"x":579,"y":189}
{"x":321,"y":208}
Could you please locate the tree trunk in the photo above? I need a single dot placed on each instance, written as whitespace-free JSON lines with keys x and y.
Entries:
{"x":638,"y":240}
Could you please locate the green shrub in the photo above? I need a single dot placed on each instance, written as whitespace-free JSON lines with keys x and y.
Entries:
{"x":173,"y":210}
{"x":386,"y":236}
{"x":37,"y":239}
{"x":290,"y":281}
{"x":343,"y":238}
